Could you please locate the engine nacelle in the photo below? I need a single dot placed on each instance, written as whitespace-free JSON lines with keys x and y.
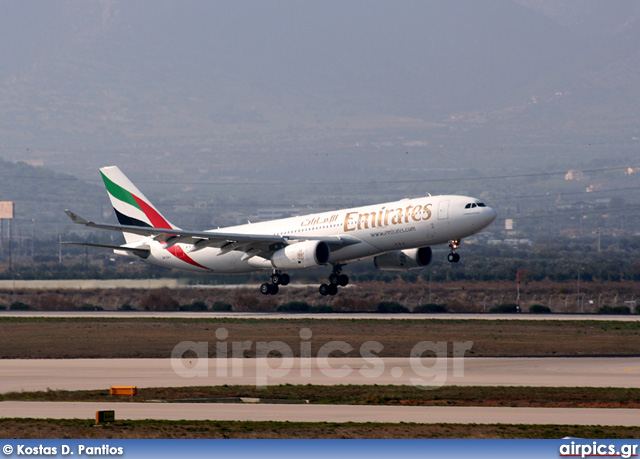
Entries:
{"x":307,"y":254}
{"x":404,"y":259}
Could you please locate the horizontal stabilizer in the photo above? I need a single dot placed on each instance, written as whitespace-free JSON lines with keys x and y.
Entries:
{"x":75,"y":217}
{"x":138,"y":252}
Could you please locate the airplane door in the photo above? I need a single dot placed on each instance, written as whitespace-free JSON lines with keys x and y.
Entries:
{"x":443,"y":210}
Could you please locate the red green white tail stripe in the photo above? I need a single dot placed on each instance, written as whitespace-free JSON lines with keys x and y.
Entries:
{"x":131,"y":206}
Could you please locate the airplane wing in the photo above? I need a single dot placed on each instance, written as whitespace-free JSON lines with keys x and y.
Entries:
{"x":251,"y":244}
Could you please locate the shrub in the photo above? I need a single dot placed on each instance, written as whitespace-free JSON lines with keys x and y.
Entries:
{"x":251,"y":302}
{"x":221,"y":306}
{"x":539,"y":309}
{"x":430,"y":308}
{"x":293,"y":306}
{"x":508,"y":308}
{"x":90,"y":307}
{"x":19,"y":306}
{"x":391,"y":307}
{"x":344,"y":303}
{"x":54,"y":301}
{"x":126,"y":307}
{"x":2,"y":307}
{"x":198,"y":306}
{"x":617,"y":310}
{"x":159,"y":301}
{"x":321,"y":309}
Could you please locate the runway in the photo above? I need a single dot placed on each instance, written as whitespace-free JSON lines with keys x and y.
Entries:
{"x":100,"y":374}
{"x":323,"y":413}
{"x":328,"y":316}
{"x":77,"y":374}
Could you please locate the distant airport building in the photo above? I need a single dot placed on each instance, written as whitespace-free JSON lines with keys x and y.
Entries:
{"x":574,"y":175}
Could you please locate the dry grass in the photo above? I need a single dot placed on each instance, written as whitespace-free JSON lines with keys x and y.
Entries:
{"x":155,"y":338}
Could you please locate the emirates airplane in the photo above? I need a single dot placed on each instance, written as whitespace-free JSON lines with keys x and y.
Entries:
{"x":397,"y":235}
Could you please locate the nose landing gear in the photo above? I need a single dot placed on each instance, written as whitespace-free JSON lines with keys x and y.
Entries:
{"x":277,"y":278}
{"x":454,"y":257}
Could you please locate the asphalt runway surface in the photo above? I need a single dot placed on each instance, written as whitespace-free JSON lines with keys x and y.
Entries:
{"x":77,"y":374}
{"x":334,"y":316}
{"x":323,"y":413}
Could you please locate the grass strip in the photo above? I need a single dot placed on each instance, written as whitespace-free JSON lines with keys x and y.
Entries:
{"x":81,"y":428}
{"x":514,"y":396}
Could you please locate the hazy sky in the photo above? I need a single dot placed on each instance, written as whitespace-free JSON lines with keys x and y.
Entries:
{"x":252,"y":89}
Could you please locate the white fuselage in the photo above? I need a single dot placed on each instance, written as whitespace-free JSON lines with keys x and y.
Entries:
{"x":370,"y":231}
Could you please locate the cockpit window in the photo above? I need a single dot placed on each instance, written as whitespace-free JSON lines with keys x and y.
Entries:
{"x":481,"y":204}
{"x":473,"y":205}
{"x":468,"y":206}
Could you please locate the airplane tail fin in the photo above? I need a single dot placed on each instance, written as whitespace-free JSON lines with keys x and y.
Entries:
{"x":130,"y":205}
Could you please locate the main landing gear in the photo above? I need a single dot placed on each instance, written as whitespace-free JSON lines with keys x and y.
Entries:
{"x":277,"y":278}
{"x":336,"y":279}
{"x":454,"y":257}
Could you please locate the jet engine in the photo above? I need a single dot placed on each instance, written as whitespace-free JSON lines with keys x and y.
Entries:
{"x":403,"y":259}
{"x":307,"y":254}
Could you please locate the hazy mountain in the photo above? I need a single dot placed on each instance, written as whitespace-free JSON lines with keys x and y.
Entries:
{"x":41,"y":195}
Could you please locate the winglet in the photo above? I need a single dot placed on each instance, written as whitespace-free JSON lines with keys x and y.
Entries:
{"x":75,"y":218}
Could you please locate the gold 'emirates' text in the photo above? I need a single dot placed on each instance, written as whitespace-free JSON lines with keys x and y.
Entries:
{"x":386,"y":217}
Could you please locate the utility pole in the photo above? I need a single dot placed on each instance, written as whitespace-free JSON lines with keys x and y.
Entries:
{"x":580,"y":305}
{"x":33,"y":238}
{"x":518,"y":297}
{"x":10,"y":252}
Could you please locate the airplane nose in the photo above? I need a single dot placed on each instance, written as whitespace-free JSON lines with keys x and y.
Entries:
{"x":491,"y":215}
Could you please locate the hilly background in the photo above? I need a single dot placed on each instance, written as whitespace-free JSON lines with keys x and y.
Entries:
{"x":233,"y":106}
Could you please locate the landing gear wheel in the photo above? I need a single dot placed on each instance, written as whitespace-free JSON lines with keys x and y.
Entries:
{"x":336,"y":279}
{"x":265,"y":289}
{"x":277,"y":278}
{"x":453,"y":257}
